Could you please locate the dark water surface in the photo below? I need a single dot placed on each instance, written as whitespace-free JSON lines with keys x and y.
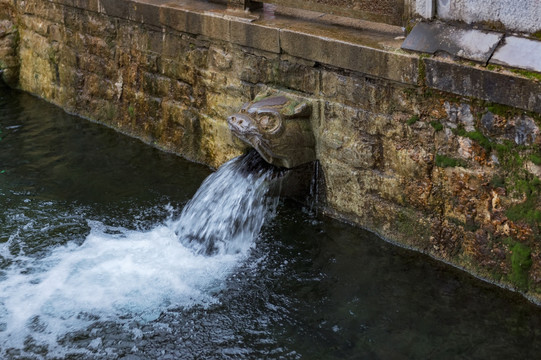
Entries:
{"x":90,"y":268}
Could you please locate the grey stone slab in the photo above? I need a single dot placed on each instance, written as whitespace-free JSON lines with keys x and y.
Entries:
{"x":255,"y":36}
{"x":120,"y":9}
{"x":519,"y":52}
{"x":195,"y":21}
{"x":483,"y":84}
{"x":145,"y":13}
{"x":469,"y":44}
{"x":367,"y":60}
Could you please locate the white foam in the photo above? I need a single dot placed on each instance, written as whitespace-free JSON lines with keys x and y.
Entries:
{"x":133,"y":273}
{"x":117,"y":273}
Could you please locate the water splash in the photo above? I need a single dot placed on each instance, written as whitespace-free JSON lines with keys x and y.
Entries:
{"x":230,"y":207}
{"x":118,"y":273}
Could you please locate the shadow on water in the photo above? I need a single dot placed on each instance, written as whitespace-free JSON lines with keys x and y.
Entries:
{"x":89,"y":219}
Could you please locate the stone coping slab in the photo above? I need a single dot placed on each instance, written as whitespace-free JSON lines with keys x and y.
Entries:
{"x":520,"y":53}
{"x":468,"y":44}
{"x":483,"y":84}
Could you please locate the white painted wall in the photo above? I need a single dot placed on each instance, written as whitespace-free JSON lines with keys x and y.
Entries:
{"x":516,"y":15}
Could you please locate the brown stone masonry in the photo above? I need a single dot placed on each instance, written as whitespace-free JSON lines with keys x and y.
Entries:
{"x":434,"y":154}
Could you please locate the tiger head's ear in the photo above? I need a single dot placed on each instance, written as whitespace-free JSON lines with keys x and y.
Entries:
{"x":298,"y":110}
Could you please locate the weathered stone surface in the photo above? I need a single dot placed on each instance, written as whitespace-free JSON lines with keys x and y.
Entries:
{"x":182,"y":19}
{"x":387,"y":11}
{"x":469,"y":44}
{"x":524,"y":18}
{"x":278,"y":127}
{"x":456,"y":177}
{"x":145,"y":12}
{"x":483,"y":84}
{"x":255,"y":36}
{"x":520,"y":53}
{"x":351,"y":56}
{"x":115,"y":8}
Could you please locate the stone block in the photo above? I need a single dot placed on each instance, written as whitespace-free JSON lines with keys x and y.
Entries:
{"x":115,"y":8}
{"x":73,"y":20}
{"x":255,"y":36}
{"x":469,"y":44}
{"x":359,"y":152}
{"x":343,"y":188}
{"x":483,"y":84}
{"x":351,"y":56}
{"x":519,"y":52}
{"x":90,"y":5}
{"x":216,"y":27}
{"x":97,"y":25}
{"x":193,"y":22}
{"x":145,"y":12}
{"x":253,"y":69}
{"x":6,"y":52}
{"x":175,"y":17}
{"x":35,"y":24}
{"x":408,"y":162}
{"x":296,"y":76}
{"x":98,"y":46}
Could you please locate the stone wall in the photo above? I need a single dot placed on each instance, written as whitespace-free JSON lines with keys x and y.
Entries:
{"x":9,"y":42}
{"x":523,"y":16}
{"x":423,"y":161}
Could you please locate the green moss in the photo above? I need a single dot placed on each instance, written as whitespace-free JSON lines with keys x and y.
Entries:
{"x":131,"y":111}
{"x":528,"y":210}
{"x":510,"y":159}
{"x":476,"y":136}
{"x":427,"y":93}
{"x":497,"y":181}
{"x":499,"y":109}
{"x":412,"y":120}
{"x":421,"y":80}
{"x":529,"y":74}
{"x":436,"y":125}
{"x":446,"y":161}
{"x":521,"y":262}
{"x":260,"y":97}
{"x":536,"y":159}
{"x":409,"y":91}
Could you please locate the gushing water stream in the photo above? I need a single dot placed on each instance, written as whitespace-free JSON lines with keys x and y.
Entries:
{"x":229,"y":209}
{"x":119,"y":273}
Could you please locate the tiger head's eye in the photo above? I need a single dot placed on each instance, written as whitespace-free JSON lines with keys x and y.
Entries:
{"x":269,"y":123}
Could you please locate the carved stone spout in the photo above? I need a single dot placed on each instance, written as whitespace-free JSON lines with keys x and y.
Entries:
{"x":279,"y":128}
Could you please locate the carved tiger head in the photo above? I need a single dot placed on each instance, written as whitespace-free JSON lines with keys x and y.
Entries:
{"x":278,"y":127}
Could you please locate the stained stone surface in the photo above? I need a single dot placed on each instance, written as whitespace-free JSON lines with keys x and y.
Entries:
{"x":520,"y":53}
{"x":278,"y":127}
{"x":434,"y":154}
{"x":468,"y":44}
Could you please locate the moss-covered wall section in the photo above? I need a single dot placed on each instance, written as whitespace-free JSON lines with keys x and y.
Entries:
{"x":427,"y":165}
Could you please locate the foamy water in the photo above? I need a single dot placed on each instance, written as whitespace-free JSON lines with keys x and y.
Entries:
{"x":119,"y":273}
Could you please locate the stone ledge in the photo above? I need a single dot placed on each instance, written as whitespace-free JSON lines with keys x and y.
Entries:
{"x":367,"y":50}
{"x":356,"y":57}
{"x":470,"y":81}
